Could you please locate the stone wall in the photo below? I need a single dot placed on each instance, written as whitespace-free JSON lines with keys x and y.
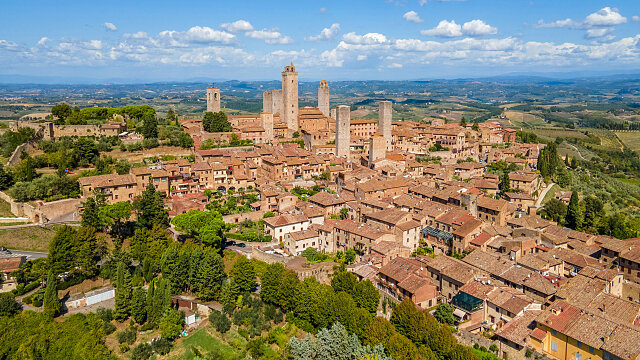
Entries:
{"x":42,"y":212}
{"x":238,"y":218}
{"x":268,"y":258}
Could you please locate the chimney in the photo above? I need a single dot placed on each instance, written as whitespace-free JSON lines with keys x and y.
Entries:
{"x":533,"y":210}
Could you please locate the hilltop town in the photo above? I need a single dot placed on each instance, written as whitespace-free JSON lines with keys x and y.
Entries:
{"x":447,"y":215}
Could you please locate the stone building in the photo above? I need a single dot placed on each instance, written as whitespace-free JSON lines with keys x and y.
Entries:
{"x":377,"y":148}
{"x":384,"y":121}
{"x":267,"y":123}
{"x":289,"y":114}
{"x":343,"y":133}
{"x":323,"y":97}
{"x":213,"y":99}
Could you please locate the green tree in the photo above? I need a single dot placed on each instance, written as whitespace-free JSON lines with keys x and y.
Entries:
{"x":150,"y":208}
{"x":444,"y":314}
{"x":85,"y":247}
{"x":123,"y":293}
{"x":366,"y":296}
{"x":593,"y":213}
{"x":61,"y":253}
{"x":171,"y":116}
{"x":85,"y":150}
{"x":344,"y":281}
{"x":210,"y":275}
{"x":206,"y":226}
{"x":574,"y":212}
{"x":555,"y":209}
{"x":270,"y":283}
{"x":216,"y":122}
{"x":6,"y":178}
{"x":171,"y":323}
{"x":51,"y":304}
{"x":139,"y":305}
{"x":463,"y":122}
{"x":26,"y":170}
{"x":475,"y":126}
{"x":123,"y":167}
{"x":8,"y":304}
{"x":505,"y":182}
{"x":220,"y":321}
{"x":62,"y":112}
{"x":150,"y":126}
{"x":349,"y":256}
{"x":243,"y":275}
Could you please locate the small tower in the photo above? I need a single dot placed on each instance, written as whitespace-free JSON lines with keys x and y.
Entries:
{"x":267,"y":101}
{"x":289,"y":113}
{"x":343,"y":132}
{"x":384,"y":121}
{"x":213,"y":99}
{"x":276,"y":101}
{"x":377,"y":148}
{"x":323,"y":97}
{"x":267,"y":123}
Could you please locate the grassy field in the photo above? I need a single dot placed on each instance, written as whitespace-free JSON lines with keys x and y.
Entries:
{"x":631,"y":139}
{"x":5,"y":209}
{"x":552,"y":133}
{"x":29,"y":239}
{"x":519,"y":119}
{"x":551,"y":193}
{"x":205,"y":341}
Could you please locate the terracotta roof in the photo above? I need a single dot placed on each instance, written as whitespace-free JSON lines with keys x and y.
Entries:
{"x":325,"y":199}
{"x":285,"y":219}
{"x":521,"y":327}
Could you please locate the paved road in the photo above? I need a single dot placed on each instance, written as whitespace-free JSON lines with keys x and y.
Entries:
{"x":544,"y":193}
{"x":31,"y":255}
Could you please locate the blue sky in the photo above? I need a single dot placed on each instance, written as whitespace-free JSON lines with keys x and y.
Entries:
{"x":337,"y":40}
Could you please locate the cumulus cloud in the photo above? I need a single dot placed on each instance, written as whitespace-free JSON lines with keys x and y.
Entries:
{"x":43,"y":40}
{"x":451,"y":29}
{"x":237,"y":26}
{"x":635,"y":18}
{"x":269,"y":36}
{"x":8,"y":45}
{"x":196,"y":34}
{"x":329,"y":33}
{"x":444,"y":29}
{"x":395,"y":66}
{"x":606,"y":16}
{"x":478,"y":28}
{"x":598,"y":24}
{"x":109,"y":26}
{"x":598,"y":32}
{"x":412,"y":16}
{"x":366,"y":39}
{"x":138,"y":35}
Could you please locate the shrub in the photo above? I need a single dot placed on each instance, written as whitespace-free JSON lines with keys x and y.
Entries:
{"x":161,"y":346}
{"x":108,"y":328}
{"x":127,"y":335}
{"x":124,"y":348}
{"x":528,"y":353}
{"x":493,"y":348}
{"x":220,"y":321}
{"x":105,"y":314}
{"x":141,"y":352}
{"x":148,"y":326}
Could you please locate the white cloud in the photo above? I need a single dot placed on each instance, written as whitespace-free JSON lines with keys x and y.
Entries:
{"x":109,"y":26}
{"x":138,"y":35}
{"x":329,"y":33}
{"x":566,"y":23}
{"x":412,"y":16}
{"x":366,"y":39}
{"x":269,"y":36}
{"x":422,"y":2}
{"x":237,"y":26}
{"x":8,"y":45}
{"x":606,"y":16}
{"x":444,"y":29}
{"x":323,"y":10}
{"x":635,"y":18}
{"x":598,"y":32}
{"x":395,"y":66}
{"x":478,"y":28}
{"x":43,"y":40}
{"x":196,"y":34}
{"x":361,"y":57}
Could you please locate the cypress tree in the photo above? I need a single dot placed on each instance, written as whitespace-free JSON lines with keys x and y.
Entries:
{"x":139,"y":305}
{"x":51,"y":303}
{"x":149,"y":301}
{"x":574,"y":213}
{"x":123,"y":293}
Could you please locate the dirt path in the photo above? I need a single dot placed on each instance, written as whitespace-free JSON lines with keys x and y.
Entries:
{"x":544,"y":193}
{"x":578,"y":151}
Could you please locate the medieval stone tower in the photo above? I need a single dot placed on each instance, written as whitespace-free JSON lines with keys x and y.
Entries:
{"x":384,"y":122}
{"x":377,"y":148}
{"x":323,"y":98}
{"x":267,"y":123}
{"x":272,"y":101}
{"x":289,"y":113}
{"x":213,"y":99}
{"x":343,"y":132}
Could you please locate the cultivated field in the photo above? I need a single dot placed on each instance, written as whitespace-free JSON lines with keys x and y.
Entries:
{"x":630,"y":138}
{"x":28,"y":239}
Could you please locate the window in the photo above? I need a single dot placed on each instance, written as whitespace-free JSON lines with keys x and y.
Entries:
{"x":578,"y":356}
{"x":579,"y":345}
{"x":554,"y":346}
{"x":591,"y":349}
{"x":554,"y":332}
